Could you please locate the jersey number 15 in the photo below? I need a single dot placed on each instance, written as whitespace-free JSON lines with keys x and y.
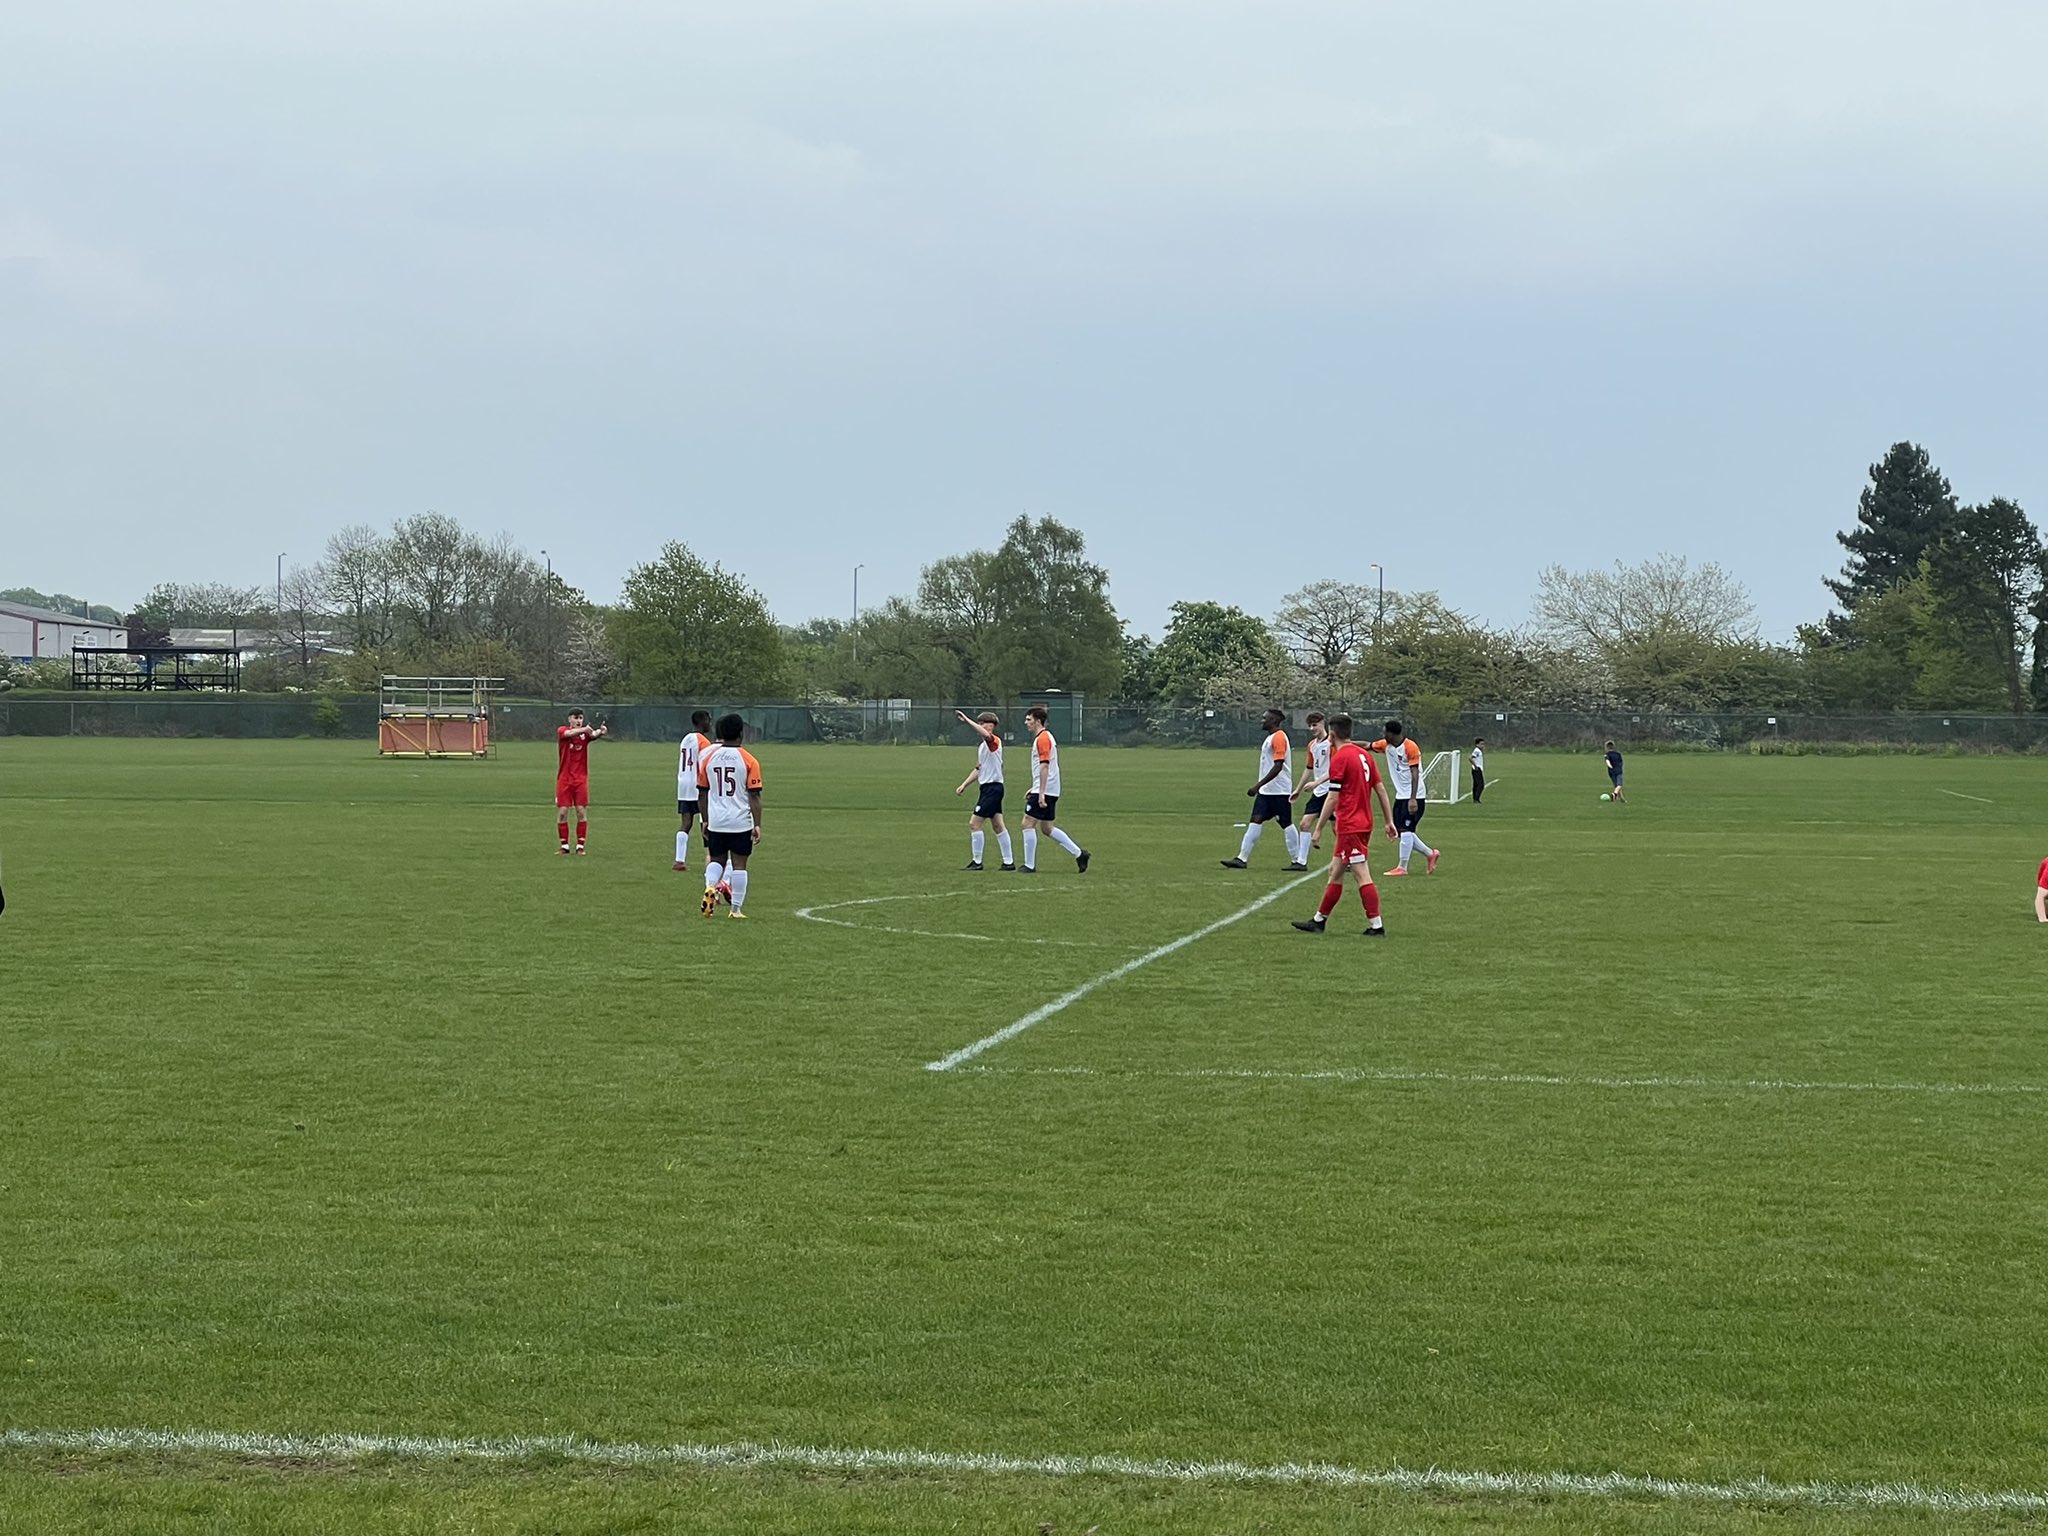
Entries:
{"x":727,"y":779}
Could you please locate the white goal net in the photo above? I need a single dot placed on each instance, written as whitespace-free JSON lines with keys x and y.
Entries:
{"x":1443,"y":779}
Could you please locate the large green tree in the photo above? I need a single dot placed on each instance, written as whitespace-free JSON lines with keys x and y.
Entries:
{"x":1033,"y":613}
{"x":1205,"y":641}
{"x":1055,"y":625}
{"x":1986,"y":578}
{"x":687,"y":630}
{"x":1900,"y":515}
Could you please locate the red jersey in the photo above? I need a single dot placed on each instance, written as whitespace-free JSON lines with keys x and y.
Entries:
{"x":2041,"y":879}
{"x":572,"y":755}
{"x":1352,"y":777}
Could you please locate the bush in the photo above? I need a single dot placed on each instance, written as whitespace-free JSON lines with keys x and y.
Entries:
{"x":327,"y":716}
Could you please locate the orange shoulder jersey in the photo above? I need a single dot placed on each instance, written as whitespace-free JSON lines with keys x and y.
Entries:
{"x":695,"y":745}
{"x":727,"y":775}
{"x":1274,"y":749}
{"x":1404,"y":767}
{"x":1045,"y":751}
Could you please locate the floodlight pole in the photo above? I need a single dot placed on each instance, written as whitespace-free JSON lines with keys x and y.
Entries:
{"x":1379,"y":613}
{"x":549,"y":599}
{"x":856,"y":615}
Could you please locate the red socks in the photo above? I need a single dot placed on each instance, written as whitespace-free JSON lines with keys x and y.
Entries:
{"x":1332,"y":893}
{"x":582,"y":831}
{"x":562,"y":831}
{"x":1370,"y":895}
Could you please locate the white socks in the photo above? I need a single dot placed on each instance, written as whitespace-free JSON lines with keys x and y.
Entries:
{"x":713,"y":873}
{"x":1063,"y":840}
{"x":977,"y":841}
{"x":682,"y":847}
{"x":1031,"y":847}
{"x":1421,"y":847}
{"x":739,"y":889}
{"x":1294,"y":845}
{"x":1003,"y":846}
{"x":1251,"y":840}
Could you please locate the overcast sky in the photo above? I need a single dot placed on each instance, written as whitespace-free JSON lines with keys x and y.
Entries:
{"x":1250,"y":293}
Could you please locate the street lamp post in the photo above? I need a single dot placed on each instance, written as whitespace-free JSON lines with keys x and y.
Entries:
{"x":855,"y":631}
{"x":1380,"y":613}
{"x":548,"y":621}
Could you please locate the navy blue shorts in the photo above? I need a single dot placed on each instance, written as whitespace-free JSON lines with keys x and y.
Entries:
{"x":1314,"y":807}
{"x":1406,"y":820}
{"x":1271,"y":808}
{"x":721,"y":846}
{"x":1042,"y":808}
{"x":686,"y":807}
{"x":990,"y":804}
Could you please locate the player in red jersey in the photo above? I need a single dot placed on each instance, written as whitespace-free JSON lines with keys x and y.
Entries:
{"x":1354,"y":780}
{"x":572,"y":776}
{"x":2041,"y":893}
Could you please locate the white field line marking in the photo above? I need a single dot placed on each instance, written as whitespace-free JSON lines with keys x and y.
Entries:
{"x":1961,"y":796}
{"x":1531,"y":1079}
{"x":745,"y":1455}
{"x":811,"y":914}
{"x":1067,"y":999}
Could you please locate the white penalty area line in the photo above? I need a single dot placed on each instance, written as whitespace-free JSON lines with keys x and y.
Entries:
{"x":776,"y":1456}
{"x":1529,"y":1080}
{"x":1067,"y":1000}
{"x":1958,"y":794}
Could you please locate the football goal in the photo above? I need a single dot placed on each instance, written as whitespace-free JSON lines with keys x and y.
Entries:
{"x":1443,"y":780}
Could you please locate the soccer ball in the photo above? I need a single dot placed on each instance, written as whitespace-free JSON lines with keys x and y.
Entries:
{"x":1607,"y":797}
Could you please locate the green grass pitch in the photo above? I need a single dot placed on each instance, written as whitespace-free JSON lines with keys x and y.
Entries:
{"x":1701,"y":1138}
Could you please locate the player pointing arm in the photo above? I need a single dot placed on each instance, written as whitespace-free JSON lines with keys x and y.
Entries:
{"x":988,"y":804}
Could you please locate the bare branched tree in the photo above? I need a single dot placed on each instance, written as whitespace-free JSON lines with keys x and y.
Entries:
{"x":1326,"y":624}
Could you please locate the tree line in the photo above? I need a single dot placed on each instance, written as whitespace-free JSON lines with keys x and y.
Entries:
{"x":1939,"y":606}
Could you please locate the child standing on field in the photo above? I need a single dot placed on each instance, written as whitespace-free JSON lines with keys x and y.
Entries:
{"x":2041,"y":893}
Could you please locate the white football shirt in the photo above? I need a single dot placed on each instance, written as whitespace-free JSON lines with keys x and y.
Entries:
{"x":1319,"y":762}
{"x":1274,"y":749}
{"x":695,"y":745}
{"x":1047,"y":751}
{"x":727,"y":774}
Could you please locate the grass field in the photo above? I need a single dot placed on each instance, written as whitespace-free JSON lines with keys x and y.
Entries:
{"x":1700,"y":1139}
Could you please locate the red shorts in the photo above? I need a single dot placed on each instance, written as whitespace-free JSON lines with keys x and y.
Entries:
{"x":570,"y":792}
{"x":1351,"y":847}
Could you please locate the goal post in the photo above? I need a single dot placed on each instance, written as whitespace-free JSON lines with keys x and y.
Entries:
{"x":1443,"y":779}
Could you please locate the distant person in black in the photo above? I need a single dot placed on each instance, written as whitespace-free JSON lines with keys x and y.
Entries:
{"x":1614,"y":773}
{"x":1478,"y":768}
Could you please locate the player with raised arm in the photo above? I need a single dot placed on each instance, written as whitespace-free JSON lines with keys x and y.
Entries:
{"x":1272,"y":795}
{"x":1354,"y":781}
{"x":695,"y":745}
{"x":1404,"y":774}
{"x":729,"y":782}
{"x":572,"y":777}
{"x":1042,"y":801}
{"x":988,"y":802}
{"x":1315,"y":779}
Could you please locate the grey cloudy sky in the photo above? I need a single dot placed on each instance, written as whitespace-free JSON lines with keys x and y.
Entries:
{"x":1251,"y":293}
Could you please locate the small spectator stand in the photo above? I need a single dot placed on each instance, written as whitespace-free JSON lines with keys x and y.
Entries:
{"x":435,"y":716}
{"x":149,"y":668}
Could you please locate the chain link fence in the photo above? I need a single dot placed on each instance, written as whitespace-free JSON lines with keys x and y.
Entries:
{"x":886,"y":722}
